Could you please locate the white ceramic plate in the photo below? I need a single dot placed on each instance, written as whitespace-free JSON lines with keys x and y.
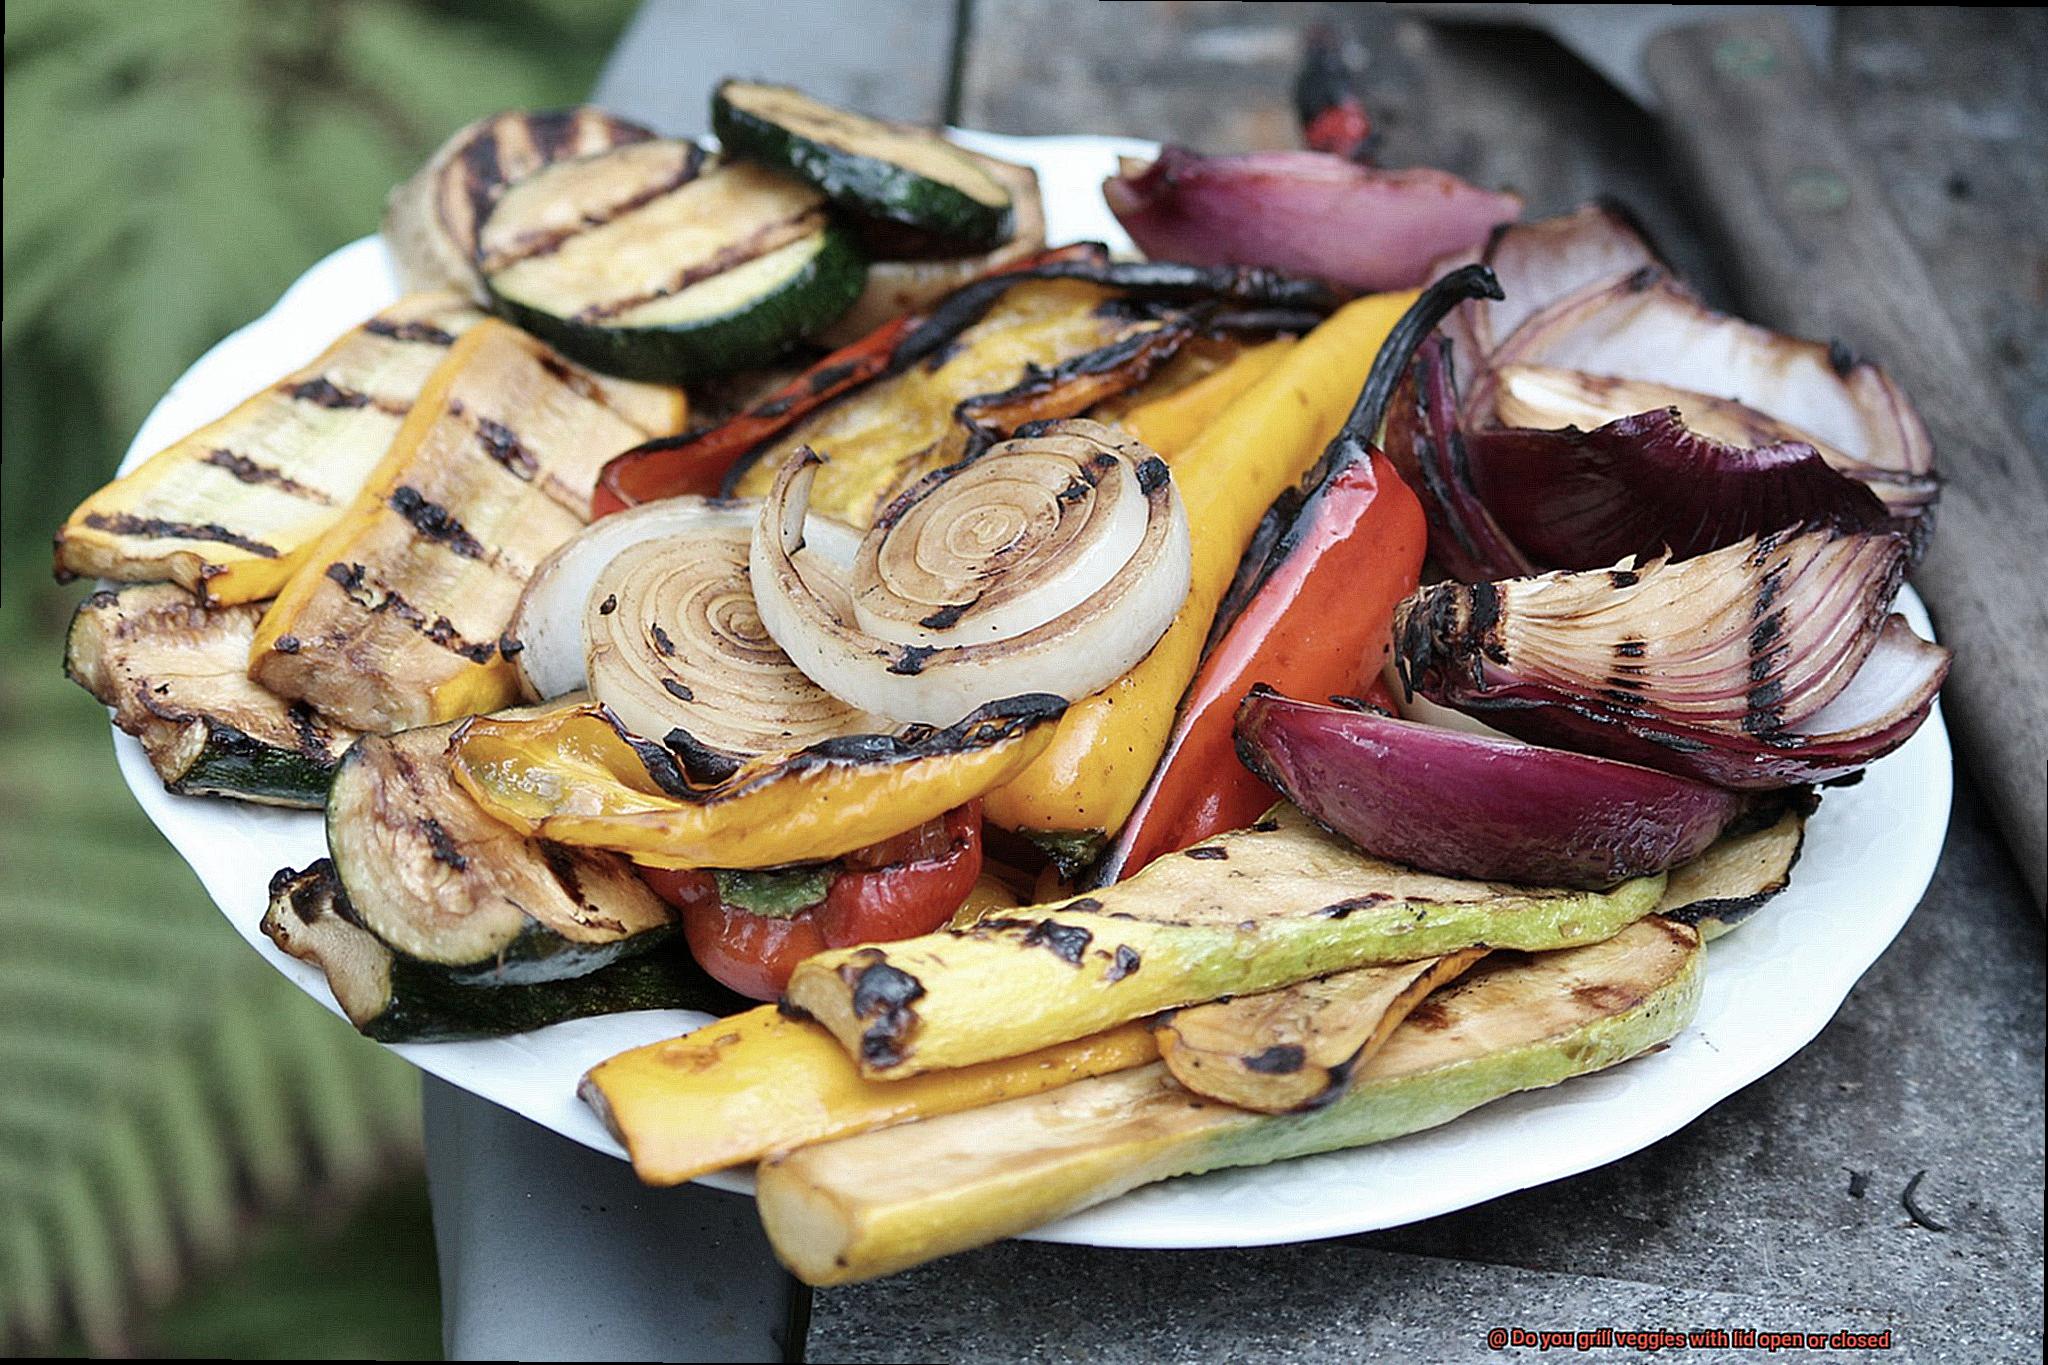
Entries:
{"x":1770,"y":987}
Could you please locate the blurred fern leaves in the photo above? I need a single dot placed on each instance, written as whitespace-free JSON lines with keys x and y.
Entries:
{"x":171,"y":167}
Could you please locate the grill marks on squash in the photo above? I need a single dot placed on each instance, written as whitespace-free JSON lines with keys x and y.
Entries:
{"x":227,"y":510}
{"x":484,"y":484}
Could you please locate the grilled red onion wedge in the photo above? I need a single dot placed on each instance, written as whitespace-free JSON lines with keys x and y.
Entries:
{"x":1472,"y":806}
{"x":1307,"y":213}
{"x":1595,"y":330}
{"x":1050,"y":563}
{"x":1745,"y":666}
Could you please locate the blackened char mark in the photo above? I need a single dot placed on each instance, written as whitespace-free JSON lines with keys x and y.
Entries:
{"x":441,"y":844}
{"x":1207,"y":853}
{"x":1281,"y":1059}
{"x":883,"y":995}
{"x":323,"y":392}
{"x":435,"y":522}
{"x":424,"y":333}
{"x":251,"y":471}
{"x":1125,"y":963}
{"x":910,"y":661}
{"x":157,"y":528}
{"x":946,"y":617}
{"x":502,"y":444}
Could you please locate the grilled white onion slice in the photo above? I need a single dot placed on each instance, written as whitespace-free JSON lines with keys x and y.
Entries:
{"x":651,"y":611}
{"x":1050,"y":563}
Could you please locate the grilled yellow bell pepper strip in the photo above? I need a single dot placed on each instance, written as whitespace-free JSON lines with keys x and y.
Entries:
{"x":1089,"y":778}
{"x":576,"y":777}
{"x":760,"y":1082}
{"x":1170,"y":424}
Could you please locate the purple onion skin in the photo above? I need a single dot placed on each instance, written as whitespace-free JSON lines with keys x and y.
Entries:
{"x":1544,"y":715}
{"x":1638,"y":485}
{"x":1306,"y":213}
{"x":1425,"y":439}
{"x":1473,"y":806}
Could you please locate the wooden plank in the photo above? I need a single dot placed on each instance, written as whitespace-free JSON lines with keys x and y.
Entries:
{"x":888,"y":57}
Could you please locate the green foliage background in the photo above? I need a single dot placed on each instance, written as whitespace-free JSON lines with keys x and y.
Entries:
{"x":194,"y":1158}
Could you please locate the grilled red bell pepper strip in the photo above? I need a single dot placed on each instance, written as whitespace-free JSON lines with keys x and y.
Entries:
{"x":1316,"y":624}
{"x":899,"y":888}
{"x":696,"y":463}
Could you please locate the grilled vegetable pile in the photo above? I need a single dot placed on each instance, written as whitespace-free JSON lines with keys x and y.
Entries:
{"x":1010,"y":693}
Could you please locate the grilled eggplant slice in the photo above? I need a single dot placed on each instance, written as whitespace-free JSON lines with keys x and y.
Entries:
{"x":911,"y":285}
{"x":640,"y":262}
{"x":395,"y":619}
{"x":1045,"y":349}
{"x":232,"y":510}
{"x":431,"y":220}
{"x":1298,"y":1047}
{"x":698,"y":1103}
{"x":440,"y":882}
{"x":1741,"y":870}
{"x":890,"y":171}
{"x":176,"y":676}
{"x":1249,"y":911}
{"x":869,"y":1205}
{"x":395,"y":999}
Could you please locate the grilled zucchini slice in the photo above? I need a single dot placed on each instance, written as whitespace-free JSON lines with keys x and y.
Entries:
{"x":232,"y":510}
{"x":395,"y":619}
{"x":441,"y":882}
{"x":395,"y":999}
{"x":431,"y":220}
{"x":891,"y":171}
{"x":176,"y":676}
{"x":915,"y":283}
{"x":636,"y":264}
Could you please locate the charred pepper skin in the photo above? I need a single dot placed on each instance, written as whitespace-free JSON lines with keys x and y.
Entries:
{"x":1318,"y":620}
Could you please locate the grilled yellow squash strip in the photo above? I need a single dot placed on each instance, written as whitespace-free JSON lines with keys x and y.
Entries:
{"x":761,"y":1082}
{"x":231,"y":510}
{"x":394,"y":619}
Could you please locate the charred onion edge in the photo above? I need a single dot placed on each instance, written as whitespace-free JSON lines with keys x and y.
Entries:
{"x":1137,"y":588}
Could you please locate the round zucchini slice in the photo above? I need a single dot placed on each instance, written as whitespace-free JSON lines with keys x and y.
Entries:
{"x":721,"y":272}
{"x":440,"y":882}
{"x":890,"y":171}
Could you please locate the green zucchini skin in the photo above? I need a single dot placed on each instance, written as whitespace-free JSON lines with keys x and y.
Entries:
{"x":429,"y":874}
{"x":870,"y":185}
{"x":396,"y":999}
{"x":174,"y":672}
{"x":231,"y":763}
{"x":427,"y":1007}
{"x":804,"y":304}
